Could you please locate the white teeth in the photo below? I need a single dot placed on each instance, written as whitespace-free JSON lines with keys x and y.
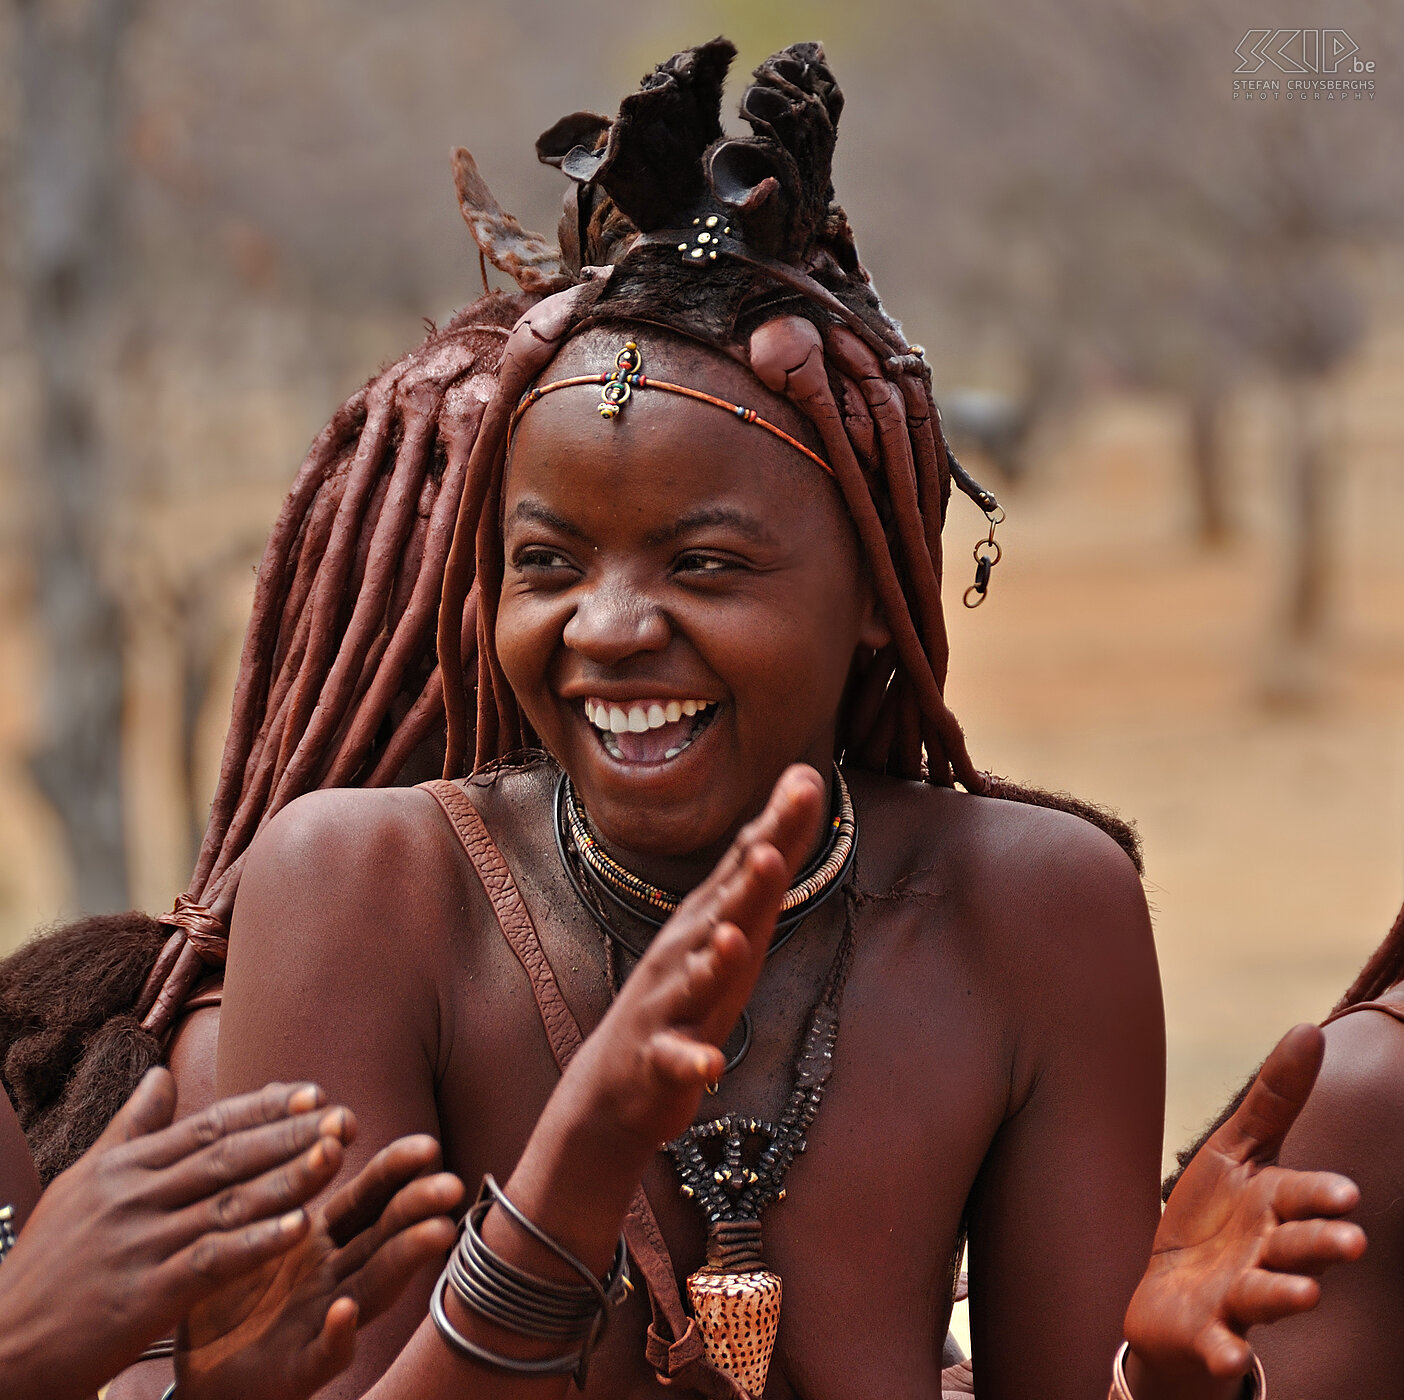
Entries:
{"x":641,"y":717}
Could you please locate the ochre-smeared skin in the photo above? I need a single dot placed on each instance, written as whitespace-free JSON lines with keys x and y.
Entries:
{"x":1001,"y":1042}
{"x":1352,"y":1344}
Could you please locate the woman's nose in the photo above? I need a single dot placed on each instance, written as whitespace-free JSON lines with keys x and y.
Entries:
{"x":613,"y":621}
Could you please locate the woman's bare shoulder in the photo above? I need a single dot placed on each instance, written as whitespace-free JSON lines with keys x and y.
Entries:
{"x":346,"y":859}
{"x":334,"y":842}
{"x":1354,"y":1120}
{"x":1013,"y":864}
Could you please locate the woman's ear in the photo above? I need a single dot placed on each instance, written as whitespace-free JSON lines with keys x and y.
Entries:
{"x":873,"y":630}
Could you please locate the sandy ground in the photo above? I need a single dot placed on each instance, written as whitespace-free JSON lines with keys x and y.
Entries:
{"x":1114,"y":658}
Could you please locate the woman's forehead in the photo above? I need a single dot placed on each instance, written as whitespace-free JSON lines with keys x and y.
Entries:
{"x":662,"y":453}
{"x":680,"y":360}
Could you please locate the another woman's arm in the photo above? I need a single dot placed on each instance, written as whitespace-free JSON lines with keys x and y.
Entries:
{"x":335,"y":957}
{"x":1352,"y":1343}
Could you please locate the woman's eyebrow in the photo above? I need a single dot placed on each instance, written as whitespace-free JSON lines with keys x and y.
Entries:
{"x":539,"y":514}
{"x":738,"y":520}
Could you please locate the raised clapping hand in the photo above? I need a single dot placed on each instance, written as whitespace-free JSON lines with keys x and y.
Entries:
{"x":638,"y":1079}
{"x":659,"y":1046}
{"x":150,"y":1221}
{"x":1241,"y":1241}
{"x":283,"y":1332}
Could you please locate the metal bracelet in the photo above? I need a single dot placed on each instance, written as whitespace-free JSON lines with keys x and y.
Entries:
{"x":522,"y":1366}
{"x":1121,"y":1391}
{"x":521,"y":1302}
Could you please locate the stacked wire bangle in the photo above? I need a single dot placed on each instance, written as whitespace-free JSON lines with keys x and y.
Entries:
{"x":574,"y":1315}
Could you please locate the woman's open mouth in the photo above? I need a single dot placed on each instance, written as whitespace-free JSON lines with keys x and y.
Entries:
{"x":648,"y":731}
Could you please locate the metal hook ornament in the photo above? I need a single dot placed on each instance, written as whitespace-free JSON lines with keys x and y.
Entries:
{"x":988,"y":552}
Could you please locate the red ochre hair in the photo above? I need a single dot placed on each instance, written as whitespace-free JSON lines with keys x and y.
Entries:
{"x":394,"y":518}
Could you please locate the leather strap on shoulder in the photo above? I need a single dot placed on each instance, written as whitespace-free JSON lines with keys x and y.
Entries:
{"x":1389,"y":1009}
{"x":674,"y":1347}
{"x":562,"y":1029}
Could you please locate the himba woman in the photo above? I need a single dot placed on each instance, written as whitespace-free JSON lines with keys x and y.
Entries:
{"x":1353,"y":1123}
{"x":700,"y":484}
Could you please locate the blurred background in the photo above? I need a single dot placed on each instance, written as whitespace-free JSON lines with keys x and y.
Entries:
{"x":1166,"y":317}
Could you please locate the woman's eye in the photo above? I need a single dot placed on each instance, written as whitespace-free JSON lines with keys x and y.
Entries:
{"x":698,"y":563}
{"x":539,"y":557}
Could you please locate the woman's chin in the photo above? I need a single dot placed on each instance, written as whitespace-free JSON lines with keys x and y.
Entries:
{"x":670,"y":807}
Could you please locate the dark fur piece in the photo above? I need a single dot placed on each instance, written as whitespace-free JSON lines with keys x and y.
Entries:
{"x":778,"y":183}
{"x":56,"y":995}
{"x":115,"y":1058}
{"x":651,"y":163}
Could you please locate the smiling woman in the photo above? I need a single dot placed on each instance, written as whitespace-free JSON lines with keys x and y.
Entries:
{"x":675,"y":639}
{"x":676,"y":556}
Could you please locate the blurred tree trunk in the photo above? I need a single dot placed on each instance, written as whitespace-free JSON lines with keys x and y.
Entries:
{"x":67,"y":163}
{"x":1209,"y":466}
{"x":1308,"y":515}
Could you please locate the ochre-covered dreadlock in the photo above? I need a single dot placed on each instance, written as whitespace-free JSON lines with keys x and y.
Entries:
{"x":398,"y":503}
{"x":337,"y":686}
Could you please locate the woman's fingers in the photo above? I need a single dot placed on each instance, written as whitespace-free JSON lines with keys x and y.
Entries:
{"x":1304,"y":1195}
{"x":150,"y":1108}
{"x":1256,"y":1131}
{"x":1225,"y":1355}
{"x":274,"y":1193}
{"x":241,"y":1156}
{"x":390,"y":1267}
{"x":794,"y":819}
{"x":360,"y":1203}
{"x":270,"y":1104}
{"x":1259,"y":1296}
{"x":682,"y":1062}
{"x":788,"y":824}
{"x":219,"y":1256}
{"x":1313,"y":1246}
{"x":335,"y":1346}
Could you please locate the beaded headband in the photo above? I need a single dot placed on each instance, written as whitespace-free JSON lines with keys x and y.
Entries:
{"x":627,"y":375}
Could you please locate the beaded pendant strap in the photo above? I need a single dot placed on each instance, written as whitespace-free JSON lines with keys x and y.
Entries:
{"x":618,"y":387}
